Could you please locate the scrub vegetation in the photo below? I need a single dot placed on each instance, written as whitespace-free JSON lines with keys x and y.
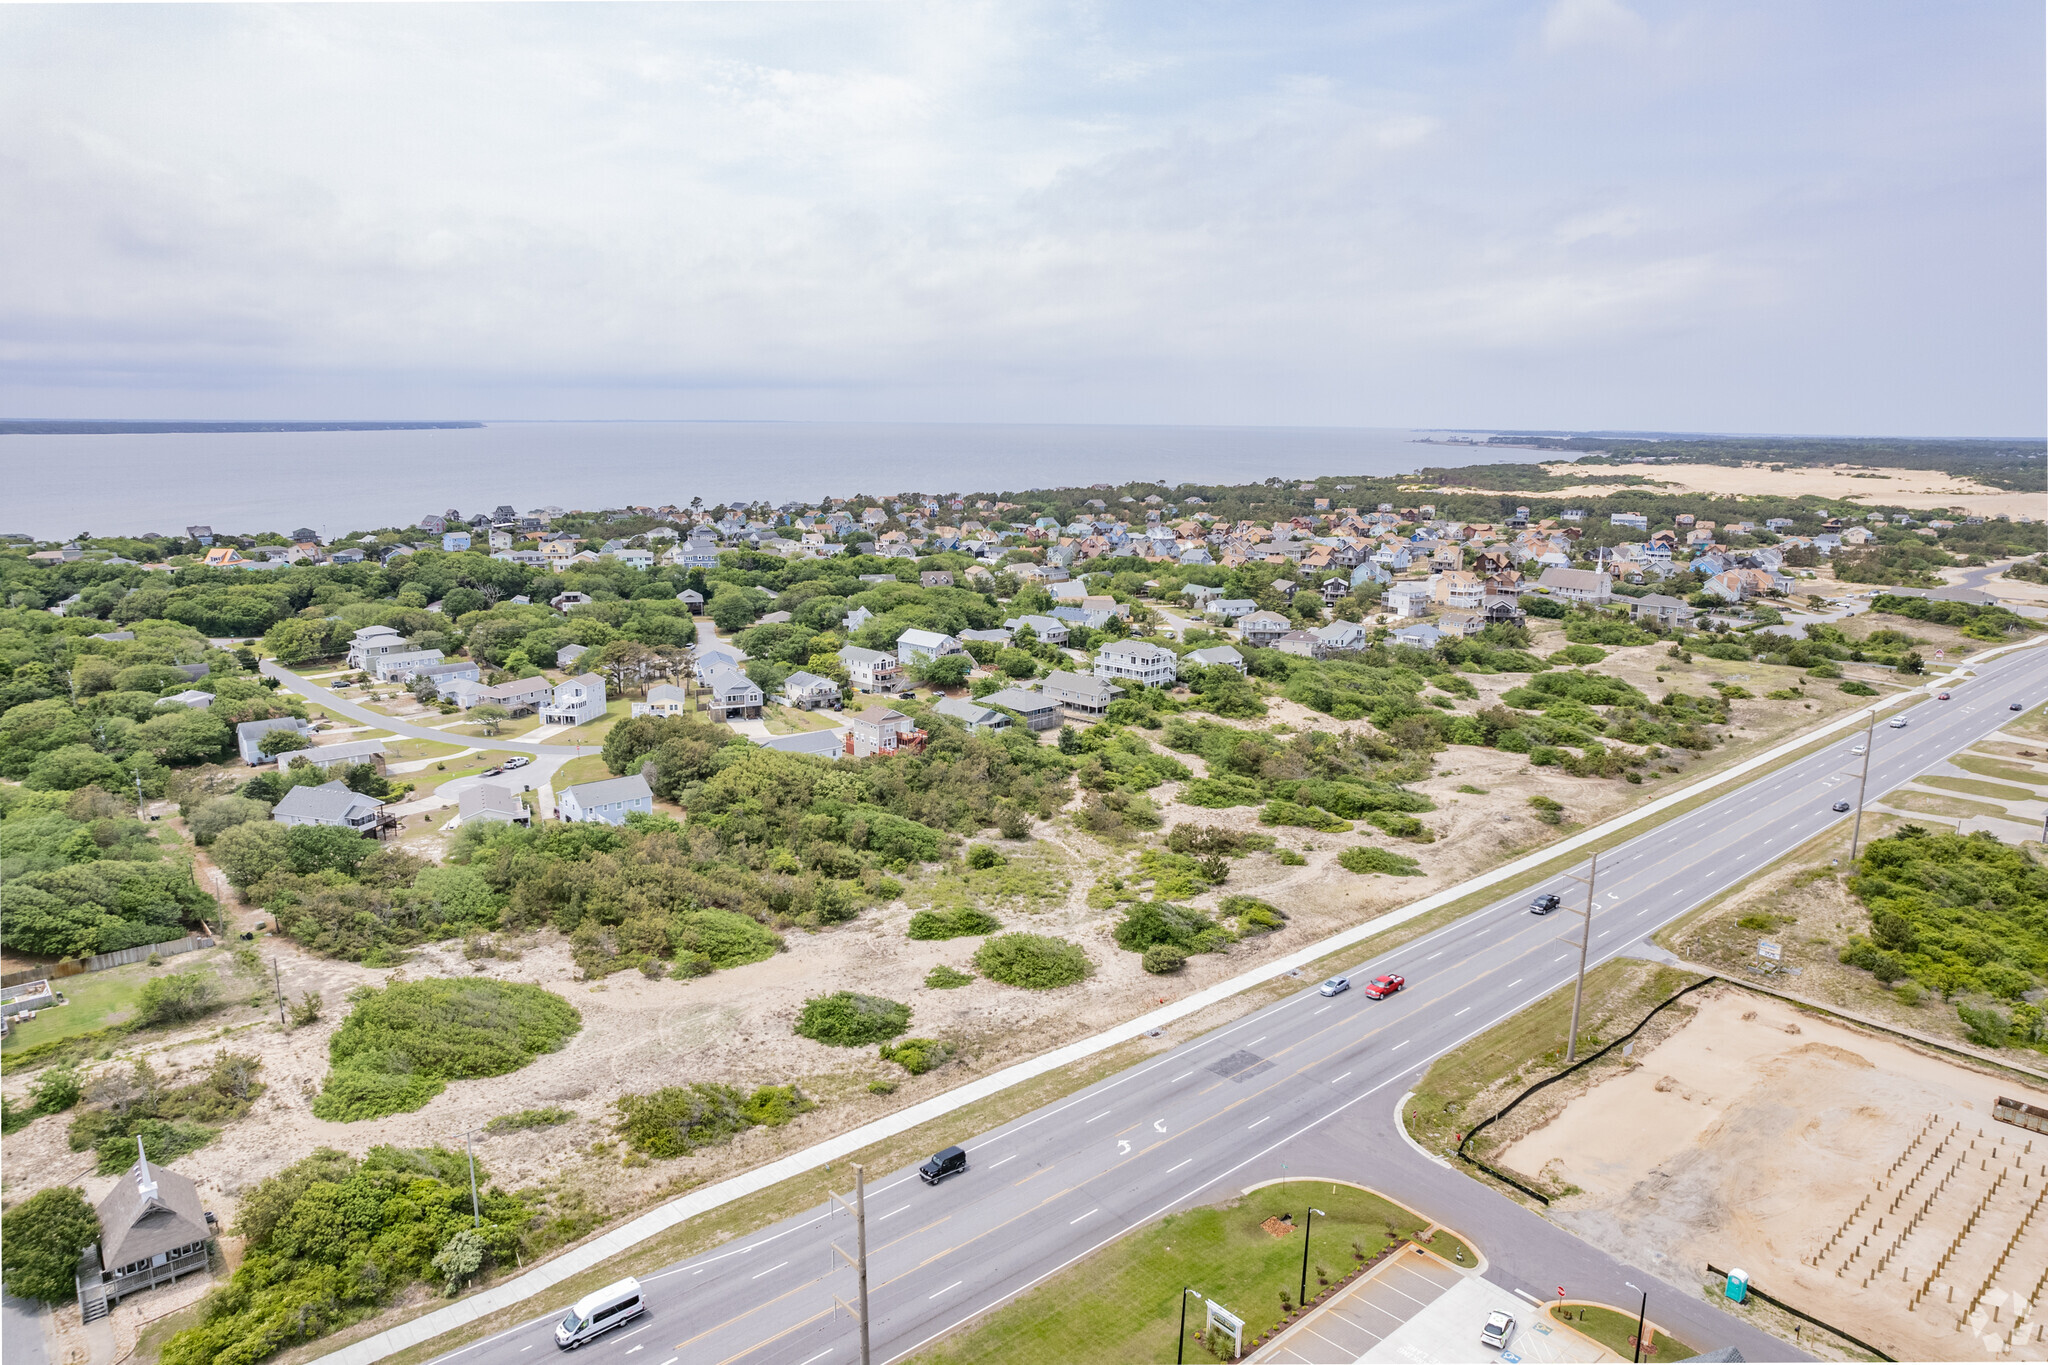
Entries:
{"x":400,"y":1046}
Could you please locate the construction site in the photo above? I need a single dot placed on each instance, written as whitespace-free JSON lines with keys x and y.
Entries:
{"x":1886,"y":1190}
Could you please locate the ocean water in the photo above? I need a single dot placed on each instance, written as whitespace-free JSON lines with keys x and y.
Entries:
{"x":341,"y":481}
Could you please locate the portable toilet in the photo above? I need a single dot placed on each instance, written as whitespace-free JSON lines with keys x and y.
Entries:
{"x":1738,"y":1285}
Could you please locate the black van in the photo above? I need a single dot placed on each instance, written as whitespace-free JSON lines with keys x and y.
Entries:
{"x":952,"y":1161}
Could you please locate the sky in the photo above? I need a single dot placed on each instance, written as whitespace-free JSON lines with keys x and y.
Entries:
{"x":1722,"y":216}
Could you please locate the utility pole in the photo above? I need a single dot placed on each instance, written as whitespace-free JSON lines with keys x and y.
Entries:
{"x":859,"y":1209}
{"x":277,"y":976}
{"x":1571,"y":1051}
{"x":1869,"y":742}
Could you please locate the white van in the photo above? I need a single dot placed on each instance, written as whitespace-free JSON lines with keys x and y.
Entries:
{"x":598,"y":1312}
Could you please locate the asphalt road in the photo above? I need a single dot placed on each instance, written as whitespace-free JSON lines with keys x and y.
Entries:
{"x":1305,"y":1087}
{"x":341,"y":706}
{"x":22,"y":1337}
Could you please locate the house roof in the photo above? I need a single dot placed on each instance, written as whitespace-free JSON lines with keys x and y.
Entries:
{"x":666,"y":692}
{"x":1216,"y":654}
{"x":1018,"y":700}
{"x":1582,"y":580}
{"x":728,"y":682}
{"x":355,"y":751}
{"x":822,"y":743}
{"x":1081,"y":683}
{"x":1264,"y":618}
{"x":1135,"y":648}
{"x":973,"y":712}
{"x":924,"y":639}
{"x":488,"y":798}
{"x":856,"y":654}
{"x":328,"y":801}
{"x":150,"y":1211}
{"x":256,"y":729}
{"x":629,"y":788}
{"x":879,"y":715}
{"x":802,"y":678}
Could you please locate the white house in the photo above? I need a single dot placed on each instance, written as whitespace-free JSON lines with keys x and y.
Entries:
{"x":372,"y":643}
{"x":1233,"y":608}
{"x":1263,"y":627}
{"x":330,"y":803}
{"x":1138,"y":660}
{"x":810,"y":691}
{"x":663,"y":699}
{"x":576,"y":701}
{"x":1422,"y":635}
{"x":872,"y":670}
{"x":1577,"y":585}
{"x":1049,"y":629}
{"x":249,"y":736}
{"x":400,"y":665}
{"x":926,"y":644}
{"x":608,"y":802}
{"x":1342,"y":637}
{"x":1407,"y":599}
{"x":489,"y":801}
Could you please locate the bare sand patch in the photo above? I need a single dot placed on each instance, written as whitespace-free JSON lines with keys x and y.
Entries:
{"x":1854,"y":1176}
{"x":1925,"y":488}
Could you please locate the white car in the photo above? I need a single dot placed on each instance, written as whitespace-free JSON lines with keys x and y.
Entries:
{"x":517,"y":762}
{"x":1499,"y":1328}
{"x":1898,"y":722}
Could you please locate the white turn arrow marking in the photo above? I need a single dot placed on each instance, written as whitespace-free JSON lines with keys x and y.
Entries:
{"x":1123,"y":1147}
{"x":1159,"y":1125}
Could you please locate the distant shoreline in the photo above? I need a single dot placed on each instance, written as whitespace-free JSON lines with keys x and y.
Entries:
{"x":68,"y":427}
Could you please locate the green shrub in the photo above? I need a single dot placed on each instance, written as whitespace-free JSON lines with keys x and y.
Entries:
{"x":850,"y":1019}
{"x":56,"y":1090}
{"x":1253,"y":916}
{"x":1307,"y":817}
{"x":176,"y":998}
{"x":956,"y":923}
{"x":916,"y":1055}
{"x":1550,"y":812}
{"x":981,"y":856}
{"x":1369,"y":860}
{"x":44,"y":1235}
{"x":1163,"y":959}
{"x":163,"y":1139}
{"x":1035,"y":962}
{"x":944,"y":978}
{"x":881,"y":1087}
{"x":1154,"y":922}
{"x":678,"y":1119}
{"x":1402,"y":826}
{"x":1859,"y":689}
{"x":1958,"y":914}
{"x":724,"y":938}
{"x":1287,"y":857}
{"x":1578,"y":655}
{"x":401,"y":1045}
{"x":528,"y":1118}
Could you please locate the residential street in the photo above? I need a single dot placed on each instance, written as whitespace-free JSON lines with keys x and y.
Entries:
{"x":312,"y":691}
{"x":1307,"y":1086}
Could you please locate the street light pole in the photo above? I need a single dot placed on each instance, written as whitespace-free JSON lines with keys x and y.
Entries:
{"x":1642,"y":1312}
{"x":1869,"y":743}
{"x":1302,"y":1298}
{"x":1180,"y":1343}
{"x":475,"y":1210}
{"x":1571,"y":1051}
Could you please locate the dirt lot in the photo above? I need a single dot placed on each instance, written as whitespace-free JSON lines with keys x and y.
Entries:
{"x":1892,"y":487}
{"x":1838,"y":1167}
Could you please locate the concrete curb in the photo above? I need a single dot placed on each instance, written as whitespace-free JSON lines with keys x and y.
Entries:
{"x":656,"y":1221}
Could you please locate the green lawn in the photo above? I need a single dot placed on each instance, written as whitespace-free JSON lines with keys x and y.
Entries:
{"x":1998,"y":767}
{"x":1934,"y":803}
{"x":96,"y":1000}
{"x":1123,"y":1303}
{"x":592,"y":732}
{"x":407,"y":750}
{"x":1613,"y":1329}
{"x":427,"y":780}
{"x":1997,"y":791}
{"x":589,"y":768}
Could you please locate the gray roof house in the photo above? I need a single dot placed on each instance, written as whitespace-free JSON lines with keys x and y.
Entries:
{"x":1217,"y":656}
{"x":1082,"y":697}
{"x":372,"y":643}
{"x":330,"y":803}
{"x":1263,"y":627}
{"x":489,"y":801}
{"x":567,"y":655}
{"x":926,"y":644}
{"x":810,"y":691}
{"x":152,"y":1230}
{"x":1576,"y":585}
{"x":972,"y":714}
{"x":194,"y":698}
{"x":732,"y":694}
{"x":355,"y":751}
{"x":607,"y":802}
{"x":249,"y":736}
{"x":1661,"y":610}
{"x":663,"y":699}
{"x":872,"y":670}
{"x":1039,"y":711}
{"x":1139,"y":660}
{"x":817,"y":743}
{"x":1047,"y":628}
{"x":399,"y":665}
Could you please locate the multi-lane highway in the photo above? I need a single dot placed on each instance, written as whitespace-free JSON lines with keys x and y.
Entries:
{"x":1307,"y":1086}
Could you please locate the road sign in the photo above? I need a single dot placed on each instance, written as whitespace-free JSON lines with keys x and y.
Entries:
{"x":1228,"y":1322}
{"x":1768,"y":950}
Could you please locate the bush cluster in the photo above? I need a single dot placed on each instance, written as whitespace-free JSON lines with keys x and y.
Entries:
{"x":1035,"y":962}
{"x":1370,"y":860}
{"x":400,"y":1046}
{"x":678,"y":1119}
{"x":851,"y":1019}
{"x":916,"y":1055}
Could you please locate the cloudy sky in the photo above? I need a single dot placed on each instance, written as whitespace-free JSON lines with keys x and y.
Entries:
{"x":1719,"y":216}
